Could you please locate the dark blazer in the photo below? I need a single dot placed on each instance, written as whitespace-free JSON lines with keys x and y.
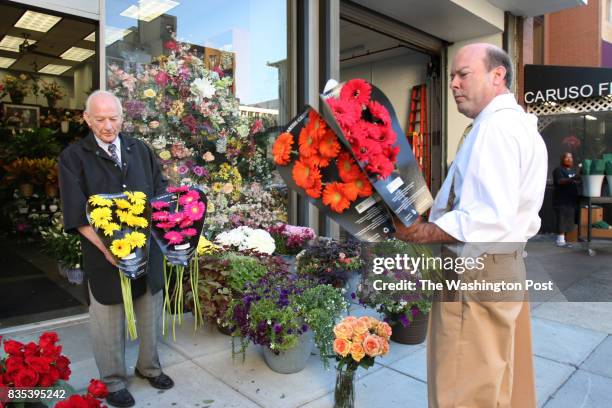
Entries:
{"x":85,"y":169}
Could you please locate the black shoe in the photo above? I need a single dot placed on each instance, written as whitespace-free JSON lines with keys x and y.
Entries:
{"x":121,"y":399}
{"x":161,"y":382}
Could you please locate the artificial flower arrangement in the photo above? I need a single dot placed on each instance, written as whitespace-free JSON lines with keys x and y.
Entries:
{"x":122,"y":222}
{"x":364,"y":121}
{"x":178,"y":220}
{"x":51,"y":90}
{"x":33,"y":364}
{"x":95,"y":391}
{"x":358,"y":341}
{"x":16,"y":86}
{"x":290,"y":239}
{"x":312,"y":161}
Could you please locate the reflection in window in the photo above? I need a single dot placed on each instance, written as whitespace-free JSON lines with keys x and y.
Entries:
{"x":202,"y":83}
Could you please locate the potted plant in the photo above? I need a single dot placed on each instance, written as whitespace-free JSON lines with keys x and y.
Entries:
{"x":52,"y":91}
{"x":34,"y":144}
{"x":284,"y":314}
{"x":65,"y":248}
{"x":592,"y":177}
{"x":21,"y":172}
{"x":331,"y":262}
{"x":290,"y":240}
{"x":406,"y":311}
{"x":16,"y":87}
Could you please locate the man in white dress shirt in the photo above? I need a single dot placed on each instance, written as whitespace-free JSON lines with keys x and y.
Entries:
{"x":479,"y":352}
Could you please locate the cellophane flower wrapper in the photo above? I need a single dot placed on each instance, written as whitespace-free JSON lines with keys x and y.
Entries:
{"x":177,"y":222}
{"x":366,"y":124}
{"x":361,"y":210}
{"x":122,"y":222}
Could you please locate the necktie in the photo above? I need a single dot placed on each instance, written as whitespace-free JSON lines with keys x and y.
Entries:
{"x":451,"y":193}
{"x":112,"y":149}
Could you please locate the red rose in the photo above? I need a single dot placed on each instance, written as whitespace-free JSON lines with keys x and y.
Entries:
{"x":13,"y":362}
{"x":48,"y":338}
{"x":10,"y":374}
{"x":26,"y":377}
{"x":62,"y":364}
{"x":75,"y":401}
{"x":97,"y":389}
{"x":31,"y":349}
{"x":13,"y":348}
{"x":171,"y":45}
{"x":49,"y":379}
{"x":39,"y":364}
{"x":162,"y":78}
{"x":51,"y":351}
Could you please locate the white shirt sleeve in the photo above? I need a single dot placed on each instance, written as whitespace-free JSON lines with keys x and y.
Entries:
{"x":489,"y":194}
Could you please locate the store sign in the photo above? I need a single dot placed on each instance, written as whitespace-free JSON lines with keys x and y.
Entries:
{"x":546,"y":83}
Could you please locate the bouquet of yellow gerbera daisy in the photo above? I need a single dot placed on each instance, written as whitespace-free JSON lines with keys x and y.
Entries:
{"x":122,"y":223}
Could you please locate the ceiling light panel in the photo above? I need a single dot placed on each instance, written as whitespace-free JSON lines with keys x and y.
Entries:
{"x":32,"y":20}
{"x":77,"y":54}
{"x":10,"y":43}
{"x":148,"y":10}
{"x":6,"y":62}
{"x":91,"y":37}
{"x":54,"y":69}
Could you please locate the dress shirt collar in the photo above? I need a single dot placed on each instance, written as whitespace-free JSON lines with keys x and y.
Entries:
{"x":104,"y":146}
{"x":503,"y":101}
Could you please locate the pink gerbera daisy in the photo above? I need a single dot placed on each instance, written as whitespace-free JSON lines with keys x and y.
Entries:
{"x":176,"y":217}
{"x":189,"y":197}
{"x":158,"y":205}
{"x":187,"y":222}
{"x":181,"y":189}
{"x":379,"y":113}
{"x":173,"y":237}
{"x":195,"y":211}
{"x":189,"y":232}
{"x":356,"y":90}
{"x":160,"y":216}
{"x":165,"y":225}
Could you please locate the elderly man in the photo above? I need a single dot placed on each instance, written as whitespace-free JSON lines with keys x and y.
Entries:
{"x":479,"y":352}
{"x":108,"y":162}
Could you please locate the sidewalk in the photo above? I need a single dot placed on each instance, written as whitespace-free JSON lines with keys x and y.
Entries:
{"x":572,"y":348}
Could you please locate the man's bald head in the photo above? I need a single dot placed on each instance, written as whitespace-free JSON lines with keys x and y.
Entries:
{"x":479,"y":73}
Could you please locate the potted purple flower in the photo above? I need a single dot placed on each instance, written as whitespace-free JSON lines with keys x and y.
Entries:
{"x":290,"y":240}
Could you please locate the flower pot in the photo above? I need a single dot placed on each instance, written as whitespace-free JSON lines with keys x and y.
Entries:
{"x":51,"y":190}
{"x":591,"y":185}
{"x":609,"y":180}
{"x":51,"y":102}
{"x":75,"y":275}
{"x":290,"y":260}
{"x":16,"y":97}
{"x":26,"y":189}
{"x":344,"y":393}
{"x":64,"y":126}
{"x":414,"y":333}
{"x":293,"y":360}
{"x":224,"y":329}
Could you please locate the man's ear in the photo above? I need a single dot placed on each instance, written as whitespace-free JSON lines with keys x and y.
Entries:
{"x":87,"y":118}
{"x":499,"y":75}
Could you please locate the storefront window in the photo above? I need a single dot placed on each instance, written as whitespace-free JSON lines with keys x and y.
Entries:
{"x":204,"y":83}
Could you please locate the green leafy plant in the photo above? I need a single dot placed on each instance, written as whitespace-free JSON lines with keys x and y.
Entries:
{"x":34,"y":144}
{"x":586,"y":167}
{"x":609,"y":168}
{"x":598,"y":167}
{"x":65,"y":248}
{"x":243,"y":269}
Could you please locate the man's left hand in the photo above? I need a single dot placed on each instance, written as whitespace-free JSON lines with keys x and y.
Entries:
{"x":422,"y":233}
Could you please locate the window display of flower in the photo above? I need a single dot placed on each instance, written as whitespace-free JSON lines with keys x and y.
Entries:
{"x":367,"y":127}
{"x":311,"y":159}
{"x":290,"y":239}
{"x":122,"y":223}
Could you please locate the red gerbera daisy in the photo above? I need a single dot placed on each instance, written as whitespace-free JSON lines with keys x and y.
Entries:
{"x":379,"y":113}
{"x":347,"y":113}
{"x":366,"y":148}
{"x":391,"y":153}
{"x":356,"y":90}
{"x":381,"y":165}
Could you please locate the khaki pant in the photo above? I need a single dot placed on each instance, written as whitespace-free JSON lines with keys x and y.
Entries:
{"x":479,"y":353}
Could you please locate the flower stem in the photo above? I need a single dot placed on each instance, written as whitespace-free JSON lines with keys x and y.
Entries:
{"x":128,"y":305}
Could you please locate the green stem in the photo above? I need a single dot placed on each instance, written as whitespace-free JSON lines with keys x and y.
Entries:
{"x":166,"y":308}
{"x":128,"y":305}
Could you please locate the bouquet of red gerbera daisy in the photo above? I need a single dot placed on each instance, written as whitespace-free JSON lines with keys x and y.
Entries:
{"x":178,"y":219}
{"x":366,"y":124}
{"x":311,"y":160}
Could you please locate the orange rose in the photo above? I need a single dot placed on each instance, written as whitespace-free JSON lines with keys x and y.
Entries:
{"x":384,"y":347}
{"x":349,"y":319}
{"x":359,"y":338}
{"x":342,"y":347}
{"x":372,"y":346}
{"x":343,"y":330}
{"x":357,"y":352}
{"x":384,"y":330}
{"x":360,"y":326}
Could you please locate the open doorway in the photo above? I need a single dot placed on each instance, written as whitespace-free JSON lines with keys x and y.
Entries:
{"x":396,"y":68}
{"x":48,"y":67}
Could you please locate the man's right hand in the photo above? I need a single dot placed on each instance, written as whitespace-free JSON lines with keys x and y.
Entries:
{"x":88,"y":232}
{"x":109,"y":257}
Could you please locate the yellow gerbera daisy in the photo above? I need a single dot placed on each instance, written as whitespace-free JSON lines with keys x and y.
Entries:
{"x":121,"y":248}
{"x":137,"y":209}
{"x":123,"y":215}
{"x":206,"y":247}
{"x":110,"y":228}
{"x":100,"y":216}
{"x":122,"y":203}
{"x":136,"y":197}
{"x":100,"y":201}
{"x":134,"y":221}
{"x":136,"y":239}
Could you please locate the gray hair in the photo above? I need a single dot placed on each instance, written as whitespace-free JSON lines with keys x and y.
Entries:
{"x":496,"y":57}
{"x":105,"y":93}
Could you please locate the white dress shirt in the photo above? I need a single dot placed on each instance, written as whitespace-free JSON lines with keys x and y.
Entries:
{"x":104,"y":146}
{"x":499,"y":178}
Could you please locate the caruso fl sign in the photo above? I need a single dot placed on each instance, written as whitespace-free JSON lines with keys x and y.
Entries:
{"x":546,"y":83}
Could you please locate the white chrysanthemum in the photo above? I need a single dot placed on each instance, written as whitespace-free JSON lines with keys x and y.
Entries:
{"x":261,"y":241}
{"x":203,"y":88}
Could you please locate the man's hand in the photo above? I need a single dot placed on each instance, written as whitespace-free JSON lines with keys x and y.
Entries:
{"x":422,"y":233}
{"x":88,"y":232}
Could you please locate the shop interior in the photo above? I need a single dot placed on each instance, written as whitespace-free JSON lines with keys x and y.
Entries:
{"x":397,"y":68}
{"x":48,"y":67}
